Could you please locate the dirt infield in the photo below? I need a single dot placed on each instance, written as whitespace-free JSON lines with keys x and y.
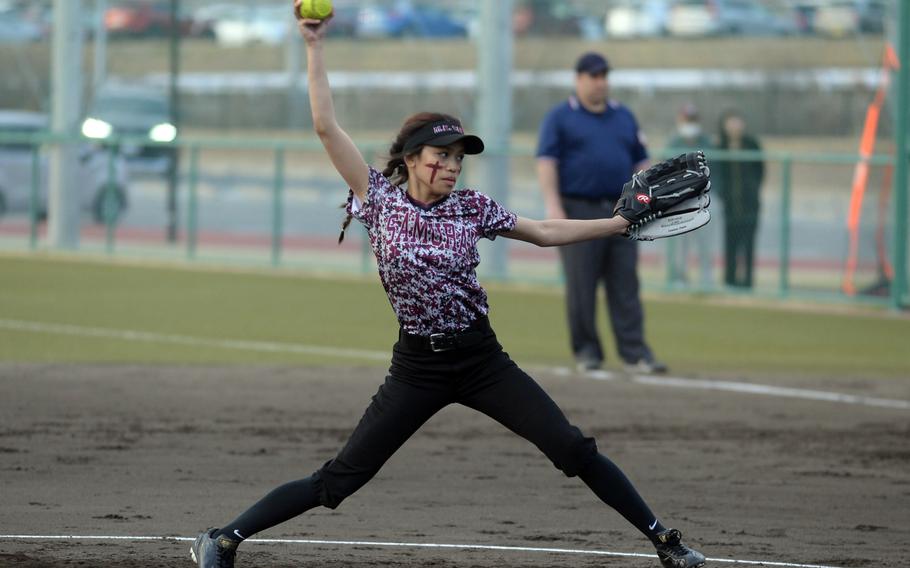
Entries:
{"x":136,"y":450}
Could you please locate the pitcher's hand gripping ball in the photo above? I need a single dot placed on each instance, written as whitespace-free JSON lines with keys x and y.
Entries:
{"x":668,"y":199}
{"x":315,"y":9}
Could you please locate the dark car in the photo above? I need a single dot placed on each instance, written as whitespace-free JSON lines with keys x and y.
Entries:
{"x":845,"y":17}
{"x":406,"y":19}
{"x":555,"y":19}
{"x":344,"y":22}
{"x":428,"y":21}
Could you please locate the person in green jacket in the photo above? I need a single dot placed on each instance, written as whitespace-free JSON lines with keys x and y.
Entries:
{"x":738,"y":185}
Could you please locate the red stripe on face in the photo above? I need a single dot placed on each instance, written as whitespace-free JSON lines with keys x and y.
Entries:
{"x":435,"y":167}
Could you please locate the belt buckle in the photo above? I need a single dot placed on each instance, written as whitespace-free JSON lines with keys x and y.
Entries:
{"x":442,"y":342}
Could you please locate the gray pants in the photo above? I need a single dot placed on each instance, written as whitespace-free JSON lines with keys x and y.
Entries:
{"x":613,"y":260}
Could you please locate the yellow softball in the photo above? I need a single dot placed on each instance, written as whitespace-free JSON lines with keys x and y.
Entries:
{"x":315,"y":9}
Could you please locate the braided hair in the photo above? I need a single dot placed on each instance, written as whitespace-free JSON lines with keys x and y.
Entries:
{"x":396,"y":170}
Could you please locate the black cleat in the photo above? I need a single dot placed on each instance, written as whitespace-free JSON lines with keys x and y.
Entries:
{"x":208,"y":552}
{"x":674,"y":554}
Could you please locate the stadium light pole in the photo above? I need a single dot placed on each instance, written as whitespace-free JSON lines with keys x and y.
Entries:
{"x":66,"y":97}
{"x":494,"y":109}
{"x":900,"y":181}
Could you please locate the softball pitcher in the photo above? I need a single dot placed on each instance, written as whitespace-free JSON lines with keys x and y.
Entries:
{"x":424,"y":235}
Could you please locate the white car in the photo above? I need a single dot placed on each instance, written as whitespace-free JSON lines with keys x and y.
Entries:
{"x":636,"y":18}
{"x":691,"y":18}
{"x":269,"y":25}
{"x":92,"y":177}
{"x":840,"y":18}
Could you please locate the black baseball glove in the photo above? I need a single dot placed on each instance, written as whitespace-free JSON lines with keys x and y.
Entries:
{"x":667,"y":199}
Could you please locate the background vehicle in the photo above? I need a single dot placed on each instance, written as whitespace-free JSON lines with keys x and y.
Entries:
{"x":717,"y":17}
{"x":143,"y":19}
{"x":407,"y":19}
{"x":844,"y":17}
{"x":636,"y":18}
{"x":91,"y":176}
{"x":136,"y":112}
{"x":344,"y":22}
{"x":550,"y":19}
{"x":242,"y":25}
{"x":16,"y":28}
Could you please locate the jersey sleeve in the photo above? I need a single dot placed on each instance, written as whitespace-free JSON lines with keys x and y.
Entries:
{"x":379,"y":189}
{"x":494,"y":218}
{"x":548,"y":145}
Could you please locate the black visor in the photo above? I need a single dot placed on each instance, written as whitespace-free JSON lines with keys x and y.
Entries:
{"x":443,"y":133}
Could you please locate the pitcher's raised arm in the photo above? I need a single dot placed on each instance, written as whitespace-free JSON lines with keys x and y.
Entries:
{"x":342,"y":151}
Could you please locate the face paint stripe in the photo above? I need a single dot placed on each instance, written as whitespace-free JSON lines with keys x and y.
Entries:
{"x":435,"y":167}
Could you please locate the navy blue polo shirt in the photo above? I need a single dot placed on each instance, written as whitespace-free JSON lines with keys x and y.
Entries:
{"x":596,"y":153}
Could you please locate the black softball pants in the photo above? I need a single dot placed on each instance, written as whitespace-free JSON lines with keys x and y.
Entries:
{"x":419,"y":384}
{"x":739,"y":250}
{"x":613,"y":261}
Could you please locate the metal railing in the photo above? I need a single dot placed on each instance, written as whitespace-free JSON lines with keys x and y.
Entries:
{"x":191,"y":148}
{"x":786,"y":161}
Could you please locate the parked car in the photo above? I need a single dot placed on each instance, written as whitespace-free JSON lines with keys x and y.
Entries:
{"x":92,"y":174}
{"x":717,"y":17}
{"x":135,"y":112}
{"x":16,"y":28}
{"x":805,"y":14}
{"x":846,"y":17}
{"x":144,"y":19}
{"x":406,"y":19}
{"x":545,"y":18}
{"x":344,"y":22}
{"x":207,"y":15}
{"x":248,"y":24}
{"x":636,"y":18}
{"x":375,"y":22}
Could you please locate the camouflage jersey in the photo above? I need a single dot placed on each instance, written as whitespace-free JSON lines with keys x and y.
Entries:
{"x":427,"y":255}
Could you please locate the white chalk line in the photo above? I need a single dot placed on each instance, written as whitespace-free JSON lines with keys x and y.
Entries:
{"x":150,"y":337}
{"x":408,"y":545}
{"x":279,"y":347}
{"x":745,"y":388}
{"x":768,"y":390}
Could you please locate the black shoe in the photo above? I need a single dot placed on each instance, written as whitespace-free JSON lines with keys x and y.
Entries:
{"x":674,"y":554}
{"x":208,"y":552}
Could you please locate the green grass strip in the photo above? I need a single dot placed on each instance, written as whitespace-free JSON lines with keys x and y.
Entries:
{"x":694,"y":335}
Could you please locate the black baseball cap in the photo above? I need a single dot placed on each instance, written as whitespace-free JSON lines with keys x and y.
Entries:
{"x":443,"y":133}
{"x":592,"y":63}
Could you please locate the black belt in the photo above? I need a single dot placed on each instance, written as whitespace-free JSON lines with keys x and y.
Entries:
{"x":449,"y":341}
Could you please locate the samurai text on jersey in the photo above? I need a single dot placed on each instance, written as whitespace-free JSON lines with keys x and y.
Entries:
{"x":427,"y":256}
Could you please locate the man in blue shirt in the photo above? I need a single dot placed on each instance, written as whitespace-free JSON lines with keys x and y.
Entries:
{"x":589,"y":147}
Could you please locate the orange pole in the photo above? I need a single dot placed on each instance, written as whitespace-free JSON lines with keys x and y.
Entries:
{"x":860,"y":181}
{"x":861,"y":173}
